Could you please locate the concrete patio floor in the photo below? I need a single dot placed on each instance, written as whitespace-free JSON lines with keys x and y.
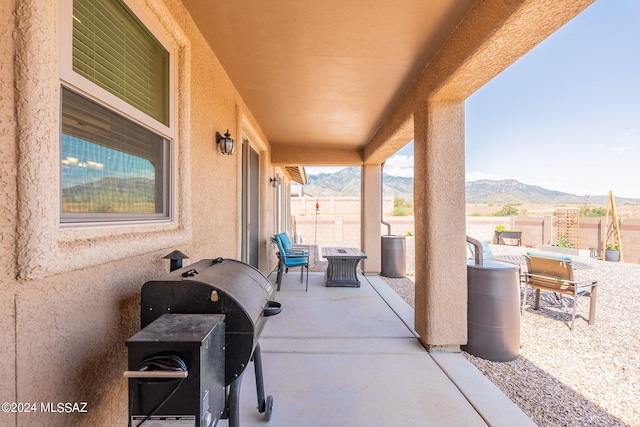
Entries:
{"x":350,"y":357}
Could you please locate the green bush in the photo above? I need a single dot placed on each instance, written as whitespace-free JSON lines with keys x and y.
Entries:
{"x":400,"y":201}
{"x":402,"y":210}
{"x":402,"y":207}
{"x":563,"y":242}
{"x":592,"y":212}
{"x":507,"y":210}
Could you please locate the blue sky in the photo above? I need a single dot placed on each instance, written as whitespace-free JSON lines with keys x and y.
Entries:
{"x":566,"y":116}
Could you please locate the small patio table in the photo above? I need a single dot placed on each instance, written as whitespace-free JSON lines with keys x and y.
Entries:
{"x":343,"y":263}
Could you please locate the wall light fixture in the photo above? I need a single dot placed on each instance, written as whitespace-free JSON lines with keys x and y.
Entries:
{"x":226,"y":144}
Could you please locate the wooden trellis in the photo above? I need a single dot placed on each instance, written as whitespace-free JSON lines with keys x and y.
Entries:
{"x":568,"y":226}
{"x":611,"y":231}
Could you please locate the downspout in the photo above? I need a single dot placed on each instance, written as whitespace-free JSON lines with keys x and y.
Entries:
{"x":382,"y":200}
{"x":477,"y":253}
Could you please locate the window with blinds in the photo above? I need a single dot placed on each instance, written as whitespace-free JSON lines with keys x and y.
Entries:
{"x":110,"y":166}
{"x":114,"y":50}
{"x":116,"y":136}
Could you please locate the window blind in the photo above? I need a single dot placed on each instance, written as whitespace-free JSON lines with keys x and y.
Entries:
{"x":114,"y":50}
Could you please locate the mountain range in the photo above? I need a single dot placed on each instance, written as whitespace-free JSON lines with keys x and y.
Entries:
{"x":112,"y":189}
{"x":346,"y":183}
{"x":512,"y":191}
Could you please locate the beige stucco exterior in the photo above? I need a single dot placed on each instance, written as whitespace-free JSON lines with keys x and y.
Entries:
{"x":371,"y":217}
{"x":70,"y":295}
{"x":439,"y":206}
{"x":8,"y":204}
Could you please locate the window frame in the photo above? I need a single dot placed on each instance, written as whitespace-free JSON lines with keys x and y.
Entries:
{"x":77,"y":83}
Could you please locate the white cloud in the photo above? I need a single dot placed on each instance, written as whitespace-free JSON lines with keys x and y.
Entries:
{"x":618,"y":149}
{"x":316,"y":170}
{"x":399,"y":165}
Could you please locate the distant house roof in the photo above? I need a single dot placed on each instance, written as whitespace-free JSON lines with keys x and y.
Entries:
{"x":296,"y":173}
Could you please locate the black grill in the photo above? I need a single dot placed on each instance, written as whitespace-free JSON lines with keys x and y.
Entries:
{"x":220,"y":286}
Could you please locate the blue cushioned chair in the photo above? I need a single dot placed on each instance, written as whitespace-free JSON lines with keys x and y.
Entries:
{"x":290,"y":259}
{"x":290,"y":247}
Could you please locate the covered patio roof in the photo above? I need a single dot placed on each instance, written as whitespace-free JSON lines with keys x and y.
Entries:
{"x":325,"y":72}
{"x":342,"y":79}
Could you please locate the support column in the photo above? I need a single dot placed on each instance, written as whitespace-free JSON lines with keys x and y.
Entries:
{"x":440,"y":222}
{"x":370,"y":215}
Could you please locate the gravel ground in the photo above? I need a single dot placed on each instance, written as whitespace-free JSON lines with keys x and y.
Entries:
{"x":588,"y":377}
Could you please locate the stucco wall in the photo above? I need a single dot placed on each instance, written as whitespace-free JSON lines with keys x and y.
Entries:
{"x":8,"y":205}
{"x":439,"y":206}
{"x":71,"y":296}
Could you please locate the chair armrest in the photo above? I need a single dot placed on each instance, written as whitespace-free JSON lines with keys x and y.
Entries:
{"x":297,"y":254}
{"x":578,"y":284}
{"x":586,"y":283}
{"x":541,"y":276}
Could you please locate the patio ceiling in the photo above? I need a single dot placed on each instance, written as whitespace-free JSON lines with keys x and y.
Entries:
{"x":324,"y":74}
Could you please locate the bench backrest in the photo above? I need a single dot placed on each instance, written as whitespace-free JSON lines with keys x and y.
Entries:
{"x":551,"y":274}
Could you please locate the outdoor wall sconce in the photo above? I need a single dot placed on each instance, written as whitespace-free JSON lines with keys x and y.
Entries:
{"x":226,"y":144}
{"x":176,"y":258}
{"x":274,"y":181}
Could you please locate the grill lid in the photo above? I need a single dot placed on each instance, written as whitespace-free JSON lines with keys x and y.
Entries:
{"x":216,"y":286}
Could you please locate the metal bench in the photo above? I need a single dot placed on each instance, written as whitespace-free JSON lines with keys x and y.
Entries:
{"x":555,"y":274}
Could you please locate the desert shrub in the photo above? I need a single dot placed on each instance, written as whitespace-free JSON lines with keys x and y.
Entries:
{"x":402,"y":207}
{"x":402,"y":210}
{"x":400,"y":201}
{"x":563,"y":242}
{"x":588,"y":212}
{"x":507,"y":210}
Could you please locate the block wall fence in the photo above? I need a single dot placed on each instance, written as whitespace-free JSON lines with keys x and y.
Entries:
{"x":306,"y":205}
{"x":536,"y":231}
